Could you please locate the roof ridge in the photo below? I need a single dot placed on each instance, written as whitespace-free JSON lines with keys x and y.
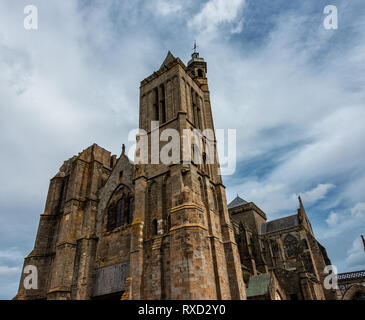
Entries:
{"x":169,"y":58}
{"x":292,"y":215}
{"x":237,"y":201}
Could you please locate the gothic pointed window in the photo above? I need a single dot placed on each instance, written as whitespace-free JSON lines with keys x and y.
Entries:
{"x":305,"y":244}
{"x":120,"y":209}
{"x":154,"y":227}
{"x":121,"y":189}
{"x":111,"y":223}
{"x":205,"y":162}
{"x":168,"y":223}
{"x":193,"y":107}
{"x":130,"y":210}
{"x":291,"y":246}
{"x":199,"y":118}
{"x":120,"y":212}
{"x":202,"y":193}
{"x":163,"y":104}
{"x":156,"y":113}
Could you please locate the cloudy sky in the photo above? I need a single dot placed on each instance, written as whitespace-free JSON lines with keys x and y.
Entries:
{"x":294,"y":91}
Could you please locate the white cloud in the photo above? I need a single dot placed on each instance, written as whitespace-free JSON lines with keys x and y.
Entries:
{"x":167,"y":7}
{"x":342,"y":221}
{"x":215,"y":14}
{"x":356,"y":254}
{"x":277,"y":198}
{"x":8,"y":271}
{"x":333,"y":219}
{"x":75,"y":82}
{"x":317,"y":193}
{"x":238,"y":27}
{"x":12,"y":254}
{"x":358,"y":211}
{"x":8,"y":289}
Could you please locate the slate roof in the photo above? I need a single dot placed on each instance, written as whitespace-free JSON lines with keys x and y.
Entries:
{"x":280,"y":224}
{"x":258,"y":285}
{"x":236,"y":202}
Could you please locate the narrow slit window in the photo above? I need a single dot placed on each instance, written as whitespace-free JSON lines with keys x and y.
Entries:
{"x":154,"y":227}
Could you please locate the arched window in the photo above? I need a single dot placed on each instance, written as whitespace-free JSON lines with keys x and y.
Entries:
{"x":120,"y":212}
{"x":130,"y":210}
{"x":121,"y":207}
{"x":215,"y":201}
{"x":121,"y":176}
{"x":305,"y":244}
{"x":193,"y":106}
{"x":156,"y":113}
{"x":154,"y":227}
{"x":205,"y":162}
{"x":111,"y":223}
{"x":291,"y":246}
{"x":121,"y":189}
{"x":200,"y":73}
{"x":163,"y":107}
{"x":274,"y":246}
{"x":168,"y":223}
{"x":199,"y":115}
{"x":202,"y":193}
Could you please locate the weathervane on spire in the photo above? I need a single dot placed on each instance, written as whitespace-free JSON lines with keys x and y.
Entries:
{"x":195,"y":46}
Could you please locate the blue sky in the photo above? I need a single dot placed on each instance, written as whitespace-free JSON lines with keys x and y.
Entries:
{"x":293,"y":90}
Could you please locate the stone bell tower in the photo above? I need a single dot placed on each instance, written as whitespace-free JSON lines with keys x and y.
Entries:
{"x":182,"y":242}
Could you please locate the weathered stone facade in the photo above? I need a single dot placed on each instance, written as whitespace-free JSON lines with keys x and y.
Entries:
{"x":351,"y":285}
{"x":286,"y":248}
{"x":114,"y":229}
{"x":144,"y":231}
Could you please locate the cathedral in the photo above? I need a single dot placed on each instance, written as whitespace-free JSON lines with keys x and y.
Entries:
{"x":113,"y":228}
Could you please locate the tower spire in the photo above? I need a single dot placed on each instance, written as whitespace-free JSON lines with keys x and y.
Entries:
{"x":197,"y":66}
{"x":363,"y":241}
{"x":195,"y":46}
{"x":300,"y":202}
{"x":195,"y":54}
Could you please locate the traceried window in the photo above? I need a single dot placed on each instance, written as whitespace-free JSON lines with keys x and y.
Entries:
{"x":120,"y":209}
{"x":120,"y":212}
{"x":308,"y":263}
{"x":130,"y":210}
{"x":111,"y":224}
{"x":274,"y":246}
{"x":291,"y":246}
